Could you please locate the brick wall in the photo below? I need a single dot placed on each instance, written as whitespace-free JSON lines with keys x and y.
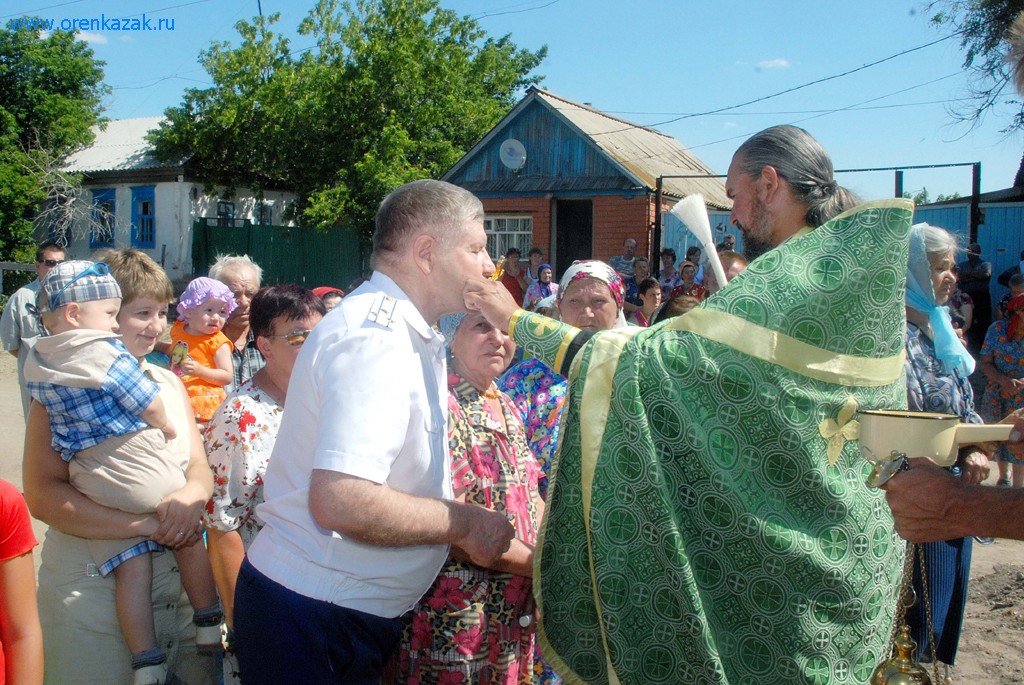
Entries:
{"x":537,"y":207}
{"x":615,"y":219}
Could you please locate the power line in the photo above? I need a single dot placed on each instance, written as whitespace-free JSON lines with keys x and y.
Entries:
{"x":787,"y":90}
{"x":528,"y":9}
{"x":40,"y":9}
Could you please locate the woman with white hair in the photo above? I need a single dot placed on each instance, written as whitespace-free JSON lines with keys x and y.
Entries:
{"x":937,"y":367}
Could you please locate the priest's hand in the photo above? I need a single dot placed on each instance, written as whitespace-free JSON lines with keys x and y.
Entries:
{"x":491,"y":299}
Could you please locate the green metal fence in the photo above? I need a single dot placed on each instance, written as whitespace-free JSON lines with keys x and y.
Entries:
{"x":287,"y":254}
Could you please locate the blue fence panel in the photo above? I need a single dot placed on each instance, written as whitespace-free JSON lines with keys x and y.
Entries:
{"x":676,"y":235}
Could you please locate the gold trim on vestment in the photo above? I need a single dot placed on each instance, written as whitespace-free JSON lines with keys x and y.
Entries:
{"x":788,"y":352}
{"x":594,"y":407}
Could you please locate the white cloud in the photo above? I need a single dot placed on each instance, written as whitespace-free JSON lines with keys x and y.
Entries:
{"x":729,"y":124}
{"x":777,"y":63}
{"x":90,"y":37}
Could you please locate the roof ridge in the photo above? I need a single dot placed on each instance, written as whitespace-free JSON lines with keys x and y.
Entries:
{"x":591,"y":108}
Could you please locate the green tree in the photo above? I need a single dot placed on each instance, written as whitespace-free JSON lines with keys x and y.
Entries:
{"x":983,"y":26}
{"x":919,"y":198}
{"x":50,"y":93}
{"x":392,"y":91}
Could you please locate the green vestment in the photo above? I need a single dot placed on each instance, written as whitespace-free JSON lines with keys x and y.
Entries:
{"x":708,"y":520}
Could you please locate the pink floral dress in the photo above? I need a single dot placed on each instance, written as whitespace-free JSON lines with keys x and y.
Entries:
{"x":466,"y":628}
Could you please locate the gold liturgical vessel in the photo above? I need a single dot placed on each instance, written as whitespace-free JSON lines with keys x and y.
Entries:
{"x":900,"y":668}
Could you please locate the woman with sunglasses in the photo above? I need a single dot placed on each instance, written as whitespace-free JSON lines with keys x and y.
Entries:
{"x":242,"y":433}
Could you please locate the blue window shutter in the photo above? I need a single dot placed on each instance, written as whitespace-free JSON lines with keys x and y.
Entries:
{"x":144,"y":217}
{"x":101,"y":232}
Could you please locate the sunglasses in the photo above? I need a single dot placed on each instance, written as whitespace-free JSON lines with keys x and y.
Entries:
{"x":53,"y":262}
{"x":97,"y":269}
{"x":295,"y":338}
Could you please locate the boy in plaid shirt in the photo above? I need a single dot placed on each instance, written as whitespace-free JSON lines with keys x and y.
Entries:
{"x":110,"y":424}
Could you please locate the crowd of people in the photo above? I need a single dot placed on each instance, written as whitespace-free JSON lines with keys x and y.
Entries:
{"x":353,"y":485}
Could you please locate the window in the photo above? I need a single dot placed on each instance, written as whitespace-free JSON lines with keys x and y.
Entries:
{"x":225,"y":213}
{"x":264,"y":214}
{"x":144,"y":217}
{"x":504,"y":232}
{"x":101,"y":230}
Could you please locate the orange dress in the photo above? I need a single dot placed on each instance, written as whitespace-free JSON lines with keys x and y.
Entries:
{"x":205,"y":396}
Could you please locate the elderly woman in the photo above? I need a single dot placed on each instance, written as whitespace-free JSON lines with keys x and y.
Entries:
{"x":475,"y":624}
{"x":81,"y":638}
{"x":1002,"y":363}
{"x":590,"y":297}
{"x":541,"y":288}
{"x":241,"y":435}
{"x":937,"y":368}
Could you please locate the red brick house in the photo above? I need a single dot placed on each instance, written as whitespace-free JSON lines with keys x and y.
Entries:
{"x":576,"y":182}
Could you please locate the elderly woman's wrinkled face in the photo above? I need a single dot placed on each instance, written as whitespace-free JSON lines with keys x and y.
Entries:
{"x":588,"y":303}
{"x":481,"y":351}
{"x":545,"y":275}
{"x":688,"y":274}
{"x":943,"y":276}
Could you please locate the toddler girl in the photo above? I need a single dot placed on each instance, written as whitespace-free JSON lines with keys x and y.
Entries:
{"x":201,"y":353}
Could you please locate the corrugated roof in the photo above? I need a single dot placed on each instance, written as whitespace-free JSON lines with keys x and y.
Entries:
{"x":120,"y":146}
{"x":643,"y":152}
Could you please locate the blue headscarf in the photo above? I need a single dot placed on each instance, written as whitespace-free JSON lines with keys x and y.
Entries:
{"x":545,"y":288}
{"x":920,"y":297}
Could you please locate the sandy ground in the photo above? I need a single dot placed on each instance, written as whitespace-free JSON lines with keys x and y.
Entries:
{"x":993,"y":638}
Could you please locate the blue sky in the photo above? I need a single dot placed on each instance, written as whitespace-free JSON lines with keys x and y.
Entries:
{"x":653,"y":62}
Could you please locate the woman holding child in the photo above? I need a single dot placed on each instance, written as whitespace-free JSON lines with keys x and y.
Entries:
{"x":81,"y":633}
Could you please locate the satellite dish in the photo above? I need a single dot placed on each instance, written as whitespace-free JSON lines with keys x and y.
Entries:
{"x":512,"y":154}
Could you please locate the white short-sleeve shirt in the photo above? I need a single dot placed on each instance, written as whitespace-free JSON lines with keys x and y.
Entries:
{"x":368,"y":398}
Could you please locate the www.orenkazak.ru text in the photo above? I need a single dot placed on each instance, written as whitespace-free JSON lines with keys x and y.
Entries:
{"x":101,"y":23}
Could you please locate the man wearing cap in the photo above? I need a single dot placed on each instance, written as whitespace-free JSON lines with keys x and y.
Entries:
{"x":974,"y":274}
{"x":359,"y":513}
{"x":19,"y":321}
{"x":708,"y":520}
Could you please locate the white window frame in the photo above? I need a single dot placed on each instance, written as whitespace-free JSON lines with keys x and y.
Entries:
{"x":508,"y":230}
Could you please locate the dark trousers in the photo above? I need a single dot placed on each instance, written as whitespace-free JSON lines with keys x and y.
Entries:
{"x":284,"y":637}
{"x":948,"y":569}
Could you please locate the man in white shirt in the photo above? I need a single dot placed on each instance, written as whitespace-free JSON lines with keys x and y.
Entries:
{"x":19,"y":321}
{"x":358,"y":516}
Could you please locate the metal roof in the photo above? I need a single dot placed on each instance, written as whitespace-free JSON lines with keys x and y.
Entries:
{"x":120,"y":145}
{"x":640,"y":153}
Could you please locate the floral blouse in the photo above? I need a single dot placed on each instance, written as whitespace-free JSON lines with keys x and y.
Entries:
{"x":467,"y":629}
{"x":929,"y":387}
{"x":239,"y":440}
{"x":538,"y":394}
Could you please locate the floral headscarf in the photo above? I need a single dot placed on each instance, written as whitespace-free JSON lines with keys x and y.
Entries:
{"x":593,"y":268}
{"x":1013,"y":307}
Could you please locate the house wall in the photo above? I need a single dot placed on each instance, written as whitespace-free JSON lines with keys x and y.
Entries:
{"x":616,"y":218}
{"x":175,"y":209}
{"x":537,"y":207}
